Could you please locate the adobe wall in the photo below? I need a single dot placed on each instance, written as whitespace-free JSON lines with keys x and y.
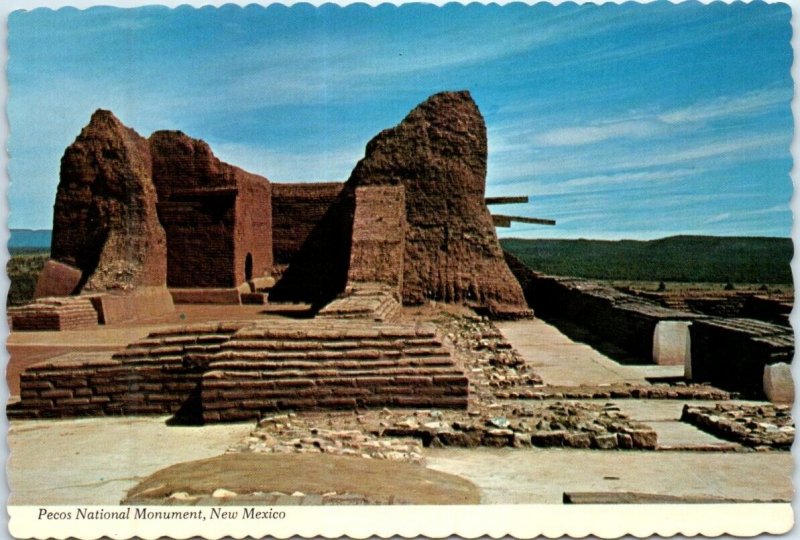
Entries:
{"x":324,"y":224}
{"x":732,"y":353}
{"x":379,"y":227}
{"x":774,"y":308}
{"x":213,"y":213}
{"x":625,"y":320}
{"x":297,"y":209}
{"x":200,"y":247}
{"x":253,"y":233}
{"x":238,"y":370}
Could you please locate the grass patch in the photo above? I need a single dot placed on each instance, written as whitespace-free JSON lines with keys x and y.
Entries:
{"x":23,"y":270}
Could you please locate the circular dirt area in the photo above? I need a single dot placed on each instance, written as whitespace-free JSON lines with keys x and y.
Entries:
{"x":311,"y":478}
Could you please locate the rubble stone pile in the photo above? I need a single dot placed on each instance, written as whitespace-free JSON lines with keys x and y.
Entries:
{"x":763,"y":427}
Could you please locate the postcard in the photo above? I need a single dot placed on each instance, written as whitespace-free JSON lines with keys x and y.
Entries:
{"x":399,"y":270}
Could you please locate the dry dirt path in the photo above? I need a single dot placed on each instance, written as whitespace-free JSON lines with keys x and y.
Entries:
{"x":563,"y":362}
{"x":536,"y":476}
{"x":97,"y":460}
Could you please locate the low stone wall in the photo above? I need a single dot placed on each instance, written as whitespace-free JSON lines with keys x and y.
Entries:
{"x":138,"y":304}
{"x":769,"y":307}
{"x":732,"y":353}
{"x":624,"y":320}
{"x":318,"y":365}
{"x":150,"y":376}
{"x":206,"y":296}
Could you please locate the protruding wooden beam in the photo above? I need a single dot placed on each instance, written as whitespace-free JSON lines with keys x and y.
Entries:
{"x":507,"y":200}
{"x":505,"y":221}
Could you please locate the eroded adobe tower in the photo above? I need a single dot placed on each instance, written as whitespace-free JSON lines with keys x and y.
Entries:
{"x":438,"y":154}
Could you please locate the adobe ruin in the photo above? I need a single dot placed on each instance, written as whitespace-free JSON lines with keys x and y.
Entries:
{"x":138,"y":217}
{"x":410,"y":225}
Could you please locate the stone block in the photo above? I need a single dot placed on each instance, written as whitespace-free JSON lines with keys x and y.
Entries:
{"x":671,"y":345}
{"x":57,"y":279}
{"x":141,"y":303}
{"x":778,"y":383}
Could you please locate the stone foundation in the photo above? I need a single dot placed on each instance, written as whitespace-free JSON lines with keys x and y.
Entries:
{"x":238,"y":370}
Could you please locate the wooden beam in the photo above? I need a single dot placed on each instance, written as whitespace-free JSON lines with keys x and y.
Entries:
{"x":507,"y":200}
{"x":505,"y":221}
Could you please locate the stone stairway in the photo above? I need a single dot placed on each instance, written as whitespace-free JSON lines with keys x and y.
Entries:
{"x":330,"y":365}
{"x":238,"y":370}
{"x":375,"y":302}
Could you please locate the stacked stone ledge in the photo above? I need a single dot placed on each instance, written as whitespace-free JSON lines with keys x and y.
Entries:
{"x":338,"y":365}
{"x":239,"y":370}
{"x":733,"y":353}
{"x":371,"y":301}
{"x":56,"y":313}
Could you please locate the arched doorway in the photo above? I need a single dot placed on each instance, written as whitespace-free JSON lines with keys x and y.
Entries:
{"x":248,"y":267}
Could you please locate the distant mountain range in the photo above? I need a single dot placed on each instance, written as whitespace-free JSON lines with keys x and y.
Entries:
{"x":715,"y":259}
{"x":28,"y":239}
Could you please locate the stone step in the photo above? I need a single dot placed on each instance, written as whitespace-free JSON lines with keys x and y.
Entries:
{"x":279,"y":372}
{"x":250,"y":364}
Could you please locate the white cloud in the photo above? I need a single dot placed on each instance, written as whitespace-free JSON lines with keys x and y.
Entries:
{"x":717,"y":218}
{"x":581,"y":135}
{"x":749,"y":103}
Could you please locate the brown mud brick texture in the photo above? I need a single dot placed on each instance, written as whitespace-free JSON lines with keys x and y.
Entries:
{"x":139,"y":304}
{"x":57,"y":279}
{"x":374,"y":301}
{"x":438,"y":153}
{"x":732,"y":353}
{"x":297,"y":209}
{"x":318,"y":270}
{"x":105,"y":221}
{"x":218,"y":217}
{"x":237,"y":371}
{"x":65,"y":313}
{"x":774,"y":308}
{"x":379,"y":225}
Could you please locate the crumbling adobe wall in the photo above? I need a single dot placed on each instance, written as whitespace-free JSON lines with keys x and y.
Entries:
{"x":438,"y":153}
{"x":379,"y":227}
{"x":732,"y":353}
{"x":318,"y":270}
{"x":253,"y":234}
{"x":625,"y":320}
{"x":200,"y":241}
{"x":297,"y":209}
{"x":214,"y":214}
{"x":105,"y":221}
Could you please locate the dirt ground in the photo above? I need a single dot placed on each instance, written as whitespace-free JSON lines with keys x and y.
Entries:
{"x":378,"y":481}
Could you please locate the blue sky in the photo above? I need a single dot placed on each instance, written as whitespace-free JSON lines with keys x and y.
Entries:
{"x":618,"y":121}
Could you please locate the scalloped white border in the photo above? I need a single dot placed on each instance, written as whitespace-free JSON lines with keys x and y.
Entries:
{"x":517,"y":521}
